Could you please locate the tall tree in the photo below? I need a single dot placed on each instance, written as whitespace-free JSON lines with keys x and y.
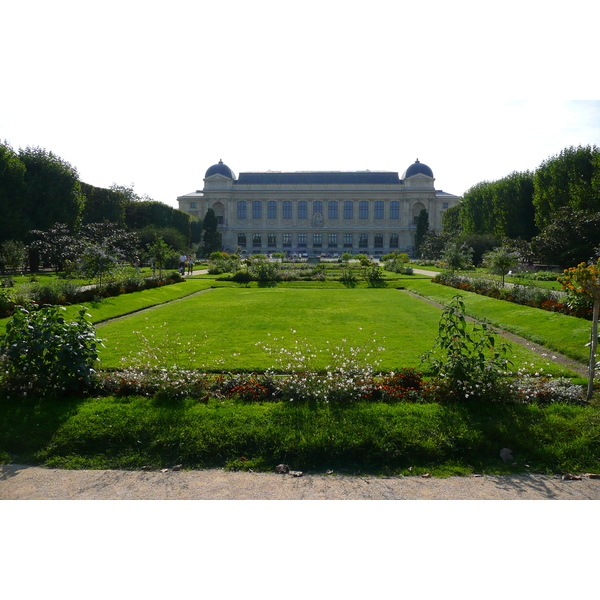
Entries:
{"x":103,"y":205}
{"x":422,"y":228}
{"x":211,"y":236}
{"x":53,"y":190}
{"x":14,"y":223}
{"x":571,"y":237}
{"x":570,"y":179}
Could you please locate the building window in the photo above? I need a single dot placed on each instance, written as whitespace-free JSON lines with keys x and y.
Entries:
{"x":303,"y":209}
{"x":332,"y":209}
{"x":363,"y":209}
{"x":348,"y":209}
{"x":317,"y":207}
{"x":271,"y":209}
{"x":256,"y":240}
{"x":378,"y":210}
{"x":363,"y":240}
{"x":378,"y":240}
{"x":301,"y":240}
{"x":415,"y":221}
{"x":220,"y":220}
{"x":193,"y":204}
{"x":286,"y":209}
{"x":347,"y":240}
{"x":287,"y":240}
{"x":394,"y":240}
{"x":394,"y":209}
{"x":271,"y":240}
{"x":444,"y":205}
{"x":241,"y":237}
{"x":257,"y":209}
{"x":241,"y":210}
{"x":332,"y":240}
{"x":317,"y":240}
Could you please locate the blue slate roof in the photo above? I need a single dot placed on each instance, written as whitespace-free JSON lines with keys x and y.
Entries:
{"x":319,"y":178}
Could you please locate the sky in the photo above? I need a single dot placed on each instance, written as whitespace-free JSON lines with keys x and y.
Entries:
{"x":154,"y":93}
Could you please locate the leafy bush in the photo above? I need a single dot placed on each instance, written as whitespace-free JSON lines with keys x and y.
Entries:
{"x":374,"y":277}
{"x":43,"y":353}
{"x":466,"y":360}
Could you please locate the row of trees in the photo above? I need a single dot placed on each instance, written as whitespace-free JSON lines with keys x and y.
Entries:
{"x":39,"y":189}
{"x":46,"y":208}
{"x":551,"y":215}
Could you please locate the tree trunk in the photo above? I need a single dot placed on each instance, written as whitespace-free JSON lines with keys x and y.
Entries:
{"x":593,"y":346}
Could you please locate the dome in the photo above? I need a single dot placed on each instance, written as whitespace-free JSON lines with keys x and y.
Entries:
{"x":418,"y":168}
{"x":220,"y":169}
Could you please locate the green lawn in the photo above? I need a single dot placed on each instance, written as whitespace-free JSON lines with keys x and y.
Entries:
{"x":562,"y":333}
{"x":223,"y":327}
{"x":128,"y":433}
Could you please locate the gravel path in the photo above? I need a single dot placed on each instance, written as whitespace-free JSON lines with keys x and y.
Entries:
{"x":21,"y":482}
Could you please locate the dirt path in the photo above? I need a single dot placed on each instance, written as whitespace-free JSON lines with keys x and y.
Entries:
{"x":20,"y":482}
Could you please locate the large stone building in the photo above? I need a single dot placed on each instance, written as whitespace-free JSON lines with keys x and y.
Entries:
{"x":316,"y":212}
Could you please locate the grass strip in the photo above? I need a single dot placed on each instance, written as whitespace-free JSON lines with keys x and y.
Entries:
{"x":562,"y":333}
{"x":128,"y":433}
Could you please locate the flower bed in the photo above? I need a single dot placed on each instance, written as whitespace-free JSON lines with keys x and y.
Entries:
{"x":526,"y":295}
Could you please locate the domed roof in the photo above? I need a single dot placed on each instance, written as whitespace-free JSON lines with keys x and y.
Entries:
{"x":221,"y":169}
{"x":418,"y":168}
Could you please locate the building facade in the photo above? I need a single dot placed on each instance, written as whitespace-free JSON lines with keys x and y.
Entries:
{"x":319,"y":212}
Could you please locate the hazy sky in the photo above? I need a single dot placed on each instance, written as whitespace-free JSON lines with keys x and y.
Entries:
{"x":154,"y":93}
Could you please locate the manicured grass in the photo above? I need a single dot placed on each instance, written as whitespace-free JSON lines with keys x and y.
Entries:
{"x":109,"y":308}
{"x":235,"y":320}
{"x":128,"y":433}
{"x":562,"y":333}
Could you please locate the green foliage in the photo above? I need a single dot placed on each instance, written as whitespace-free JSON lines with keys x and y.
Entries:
{"x":15,"y":222}
{"x":43,"y":353}
{"x":160,"y":252}
{"x":401,"y":257}
{"x":422,"y":228}
{"x":500,"y":208}
{"x":570,"y":237}
{"x":467,"y":358}
{"x":374,"y":277}
{"x":13,"y":255}
{"x":457,"y":257}
{"x":103,"y":205}
{"x":451,"y":223}
{"x":571,"y":180}
{"x":53,"y":190}
{"x":500,"y":261}
{"x":211,"y":236}
{"x":348,"y":278}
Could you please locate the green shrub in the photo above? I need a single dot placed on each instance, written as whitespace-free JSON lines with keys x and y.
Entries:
{"x":466,"y":360}
{"x":43,"y":353}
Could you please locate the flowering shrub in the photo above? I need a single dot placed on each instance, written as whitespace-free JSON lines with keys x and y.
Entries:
{"x":545,"y":390}
{"x":468,"y":359}
{"x":173,"y":383}
{"x":528,"y":295}
{"x":404,"y":386}
{"x":246,"y":387}
{"x":348,"y":376}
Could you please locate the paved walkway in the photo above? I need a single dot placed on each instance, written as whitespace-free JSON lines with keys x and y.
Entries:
{"x":20,"y":482}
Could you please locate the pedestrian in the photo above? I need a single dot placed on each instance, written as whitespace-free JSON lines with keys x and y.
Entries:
{"x":190,"y":263}
{"x":182,"y":261}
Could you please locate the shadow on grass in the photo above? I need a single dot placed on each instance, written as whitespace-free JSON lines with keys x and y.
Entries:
{"x":368,"y":438}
